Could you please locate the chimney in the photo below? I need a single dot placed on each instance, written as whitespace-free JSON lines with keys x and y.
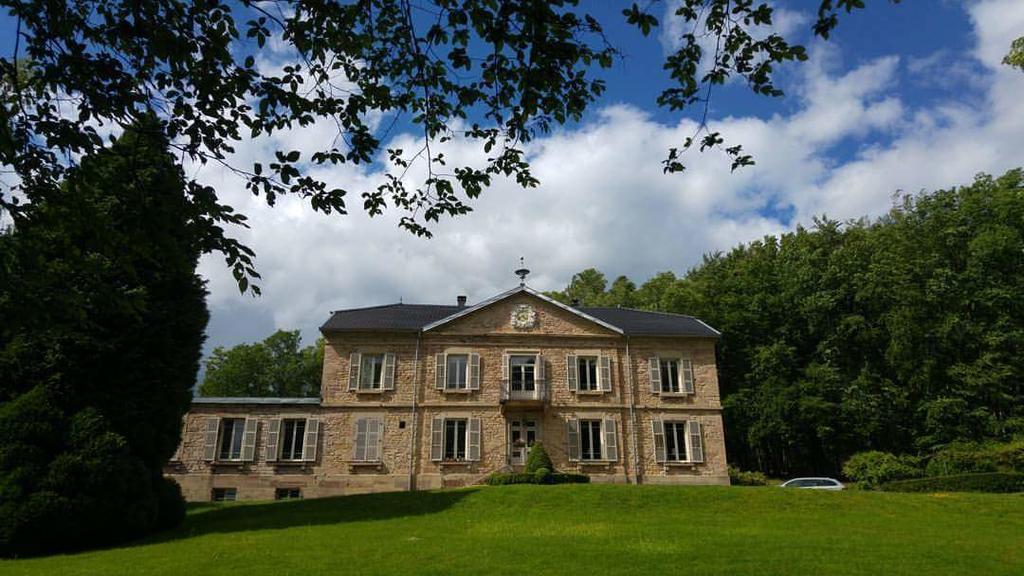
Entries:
{"x":461,"y":300}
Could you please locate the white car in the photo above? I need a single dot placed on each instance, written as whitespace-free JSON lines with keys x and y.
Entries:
{"x":814,"y":484}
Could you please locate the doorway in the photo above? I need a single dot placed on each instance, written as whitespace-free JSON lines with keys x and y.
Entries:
{"x":524,"y":431}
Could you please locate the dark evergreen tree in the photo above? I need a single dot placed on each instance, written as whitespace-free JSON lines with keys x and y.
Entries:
{"x":103,"y":320}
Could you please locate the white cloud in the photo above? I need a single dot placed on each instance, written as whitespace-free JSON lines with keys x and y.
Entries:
{"x":604,"y":201}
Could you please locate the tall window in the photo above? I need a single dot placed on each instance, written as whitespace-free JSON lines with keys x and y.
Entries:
{"x":371,"y":372}
{"x":458,"y":367}
{"x":670,"y":375}
{"x":522,"y":371}
{"x":293,"y":434}
{"x":231,"y":432}
{"x":587,"y":370}
{"x":675,"y":441}
{"x":590,"y":439}
{"x":454,"y":439}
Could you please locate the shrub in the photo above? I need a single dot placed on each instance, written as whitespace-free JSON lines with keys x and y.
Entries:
{"x":870,"y":469}
{"x":969,"y":458}
{"x":995,"y":482}
{"x":170,"y":504}
{"x":542,"y":475}
{"x":497,"y":479}
{"x":738,"y":477}
{"x":538,"y":458}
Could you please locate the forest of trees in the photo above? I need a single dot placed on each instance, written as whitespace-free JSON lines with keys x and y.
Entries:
{"x":900,"y":334}
{"x":276,"y":367}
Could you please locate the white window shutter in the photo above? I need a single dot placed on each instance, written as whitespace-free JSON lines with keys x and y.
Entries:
{"x":572,"y":372}
{"x":696,"y":441}
{"x":312,"y":438}
{"x":389,"y":371}
{"x":572,"y":431}
{"x":539,"y":370}
{"x":474,"y":371}
{"x":372,"y":439}
{"x":437,"y":439}
{"x":210,"y":439}
{"x":504,"y":367}
{"x":439,"y":371}
{"x":359,"y":450}
{"x":658,"y":428}
{"x":687,"y":368}
{"x":654,"y":369}
{"x":611,"y":440}
{"x":273,"y":438}
{"x":380,"y":438}
{"x":249,"y":440}
{"x":606,"y":373}
{"x":473,"y":442}
{"x":354,"y":360}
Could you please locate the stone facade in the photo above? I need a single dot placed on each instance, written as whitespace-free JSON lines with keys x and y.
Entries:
{"x":408,"y":413}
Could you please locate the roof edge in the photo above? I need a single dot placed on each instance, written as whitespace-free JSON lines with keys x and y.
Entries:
{"x":254,"y":400}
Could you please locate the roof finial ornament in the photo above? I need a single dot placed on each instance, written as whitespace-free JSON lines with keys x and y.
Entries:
{"x":522,"y":272}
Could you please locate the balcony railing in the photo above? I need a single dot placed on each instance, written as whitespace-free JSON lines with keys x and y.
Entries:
{"x":515,"y":394}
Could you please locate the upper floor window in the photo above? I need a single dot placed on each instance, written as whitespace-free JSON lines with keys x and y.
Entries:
{"x":586,"y":367}
{"x":522,"y":372}
{"x":672,"y":375}
{"x":371,"y":372}
{"x":231,"y":432}
{"x":457,"y":371}
{"x":293,"y":435}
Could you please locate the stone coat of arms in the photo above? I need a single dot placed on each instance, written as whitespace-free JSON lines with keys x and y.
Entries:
{"x":524,"y":316}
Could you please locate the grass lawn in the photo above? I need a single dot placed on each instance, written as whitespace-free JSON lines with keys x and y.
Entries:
{"x":581,"y":529}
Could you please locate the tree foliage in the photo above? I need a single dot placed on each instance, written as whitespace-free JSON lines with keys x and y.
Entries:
{"x":901,"y":334}
{"x":103,"y":319}
{"x":495,"y":74}
{"x":276,"y":367}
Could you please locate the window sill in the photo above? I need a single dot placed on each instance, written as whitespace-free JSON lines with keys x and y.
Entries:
{"x":678,"y":464}
{"x":675,"y":394}
{"x":458,"y":391}
{"x":290,"y":463}
{"x":455,"y":463}
{"x":365,"y":464}
{"x":228,"y":463}
{"x":369,"y":391}
{"x":592,"y":392}
{"x":596,"y":462}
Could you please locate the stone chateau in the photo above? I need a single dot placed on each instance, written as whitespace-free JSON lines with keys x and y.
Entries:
{"x":417,"y":397}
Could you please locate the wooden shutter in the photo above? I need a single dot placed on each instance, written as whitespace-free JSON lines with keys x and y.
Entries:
{"x":572,"y":372}
{"x":611,"y":440}
{"x":696,"y":442}
{"x":654,"y":368}
{"x":354,"y":360}
{"x":473,"y":442}
{"x":474,"y":371}
{"x":687,"y":368}
{"x":389,"y":371}
{"x":372,"y":439}
{"x":504,"y":367}
{"x":659,"y":440}
{"x":572,"y":428}
{"x":380,"y":438}
{"x":439,"y":371}
{"x":359,"y":450}
{"x":606,"y":373}
{"x":249,"y":440}
{"x":437,"y":439}
{"x":312,"y":437}
{"x":210,"y":439}
{"x":273,"y":439}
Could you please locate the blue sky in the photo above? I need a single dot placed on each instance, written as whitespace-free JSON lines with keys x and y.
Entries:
{"x":908,"y":97}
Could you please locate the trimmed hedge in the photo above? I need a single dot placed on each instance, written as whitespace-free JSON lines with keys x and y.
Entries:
{"x":548,"y":478}
{"x":739,"y":477}
{"x":538,"y":459}
{"x":995,"y":482}
{"x":873,"y":468}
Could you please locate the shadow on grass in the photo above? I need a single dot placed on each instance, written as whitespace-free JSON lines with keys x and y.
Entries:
{"x":241,"y":517}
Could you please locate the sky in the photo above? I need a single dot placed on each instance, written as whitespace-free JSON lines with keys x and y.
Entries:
{"x":904,"y":97}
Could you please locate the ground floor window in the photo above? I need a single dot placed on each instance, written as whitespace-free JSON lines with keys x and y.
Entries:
{"x":287,"y":494}
{"x":590,"y":439}
{"x":293,"y":434}
{"x":454,"y":439}
{"x":675,"y":441}
{"x":224,"y":494}
{"x":231,"y":432}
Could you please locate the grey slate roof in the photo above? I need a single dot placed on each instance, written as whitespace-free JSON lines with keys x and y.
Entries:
{"x":414,"y":317}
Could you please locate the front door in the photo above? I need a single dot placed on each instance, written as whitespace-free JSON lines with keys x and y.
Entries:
{"x":523,"y":432}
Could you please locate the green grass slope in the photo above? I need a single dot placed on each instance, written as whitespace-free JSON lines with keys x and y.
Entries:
{"x":581,"y":529}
